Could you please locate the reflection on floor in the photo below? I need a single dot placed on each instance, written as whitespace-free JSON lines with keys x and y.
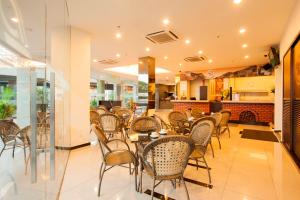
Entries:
{"x":15,"y":185}
{"x":243,"y":169}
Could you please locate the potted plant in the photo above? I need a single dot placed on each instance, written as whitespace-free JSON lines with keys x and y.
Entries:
{"x":7,"y":109}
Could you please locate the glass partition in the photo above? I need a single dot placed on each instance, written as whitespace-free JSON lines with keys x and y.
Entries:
{"x":34,"y":59}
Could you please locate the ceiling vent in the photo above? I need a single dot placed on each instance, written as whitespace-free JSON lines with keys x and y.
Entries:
{"x":108,"y":61}
{"x":162,"y":37}
{"x":195,"y":59}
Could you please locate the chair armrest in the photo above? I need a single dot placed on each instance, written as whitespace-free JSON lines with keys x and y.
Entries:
{"x":119,"y":140}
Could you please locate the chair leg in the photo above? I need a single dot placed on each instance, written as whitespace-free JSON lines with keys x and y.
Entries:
{"x":185,"y":188}
{"x":212,"y":149}
{"x":135,"y":177}
{"x":14,"y":147}
{"x":24,"y":152}
{"x":197,"y":163}
{"x":27,"y":160}
{"x":129,"y":168}
{"x":207,"y":170}
{"x":228,"y":130}
{"x":153,"y":186}
{"x":101,"y":178}
{"x":219,"y":142}
{"x":141,"y":178}
{"x":2,"y":149}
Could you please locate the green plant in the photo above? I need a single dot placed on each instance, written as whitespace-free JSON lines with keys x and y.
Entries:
{"x":93,"y":103}
{"x":7,"y":109}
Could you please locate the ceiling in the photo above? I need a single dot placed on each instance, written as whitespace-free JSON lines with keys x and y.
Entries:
{"x":211,"y":25}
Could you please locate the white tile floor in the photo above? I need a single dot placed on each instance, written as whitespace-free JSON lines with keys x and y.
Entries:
{"x":242,"y":170}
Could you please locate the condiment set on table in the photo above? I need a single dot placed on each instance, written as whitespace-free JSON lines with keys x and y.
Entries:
{"x":155,"y":135}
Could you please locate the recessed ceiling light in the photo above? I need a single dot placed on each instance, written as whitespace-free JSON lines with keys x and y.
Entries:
{"x":14,"y":19}
{"x":118,"y":55}
{"x":187,"y":41}
{"x":246,"y":56}
{"x":147,"y":49}
{"x":140,"y":62}
{"x":210,"y":61}
{"x":200,"y":52}
{"x":180,"y":64}
{"x":242,"y":30}
{"x":26,"y":45}
{"x":166,"y":57}
{"x":118,"y":35}
{"x":95,"y":60}
{"x":166,"y":21}
{"x":244,"y":46}
{"x":237,"y":1}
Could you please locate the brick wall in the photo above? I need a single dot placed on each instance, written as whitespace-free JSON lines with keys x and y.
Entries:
{"x":263,"y":112}
{"x":182,"y":106}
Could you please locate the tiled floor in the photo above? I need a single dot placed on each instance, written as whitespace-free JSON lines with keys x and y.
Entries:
{"x":242,"y":170}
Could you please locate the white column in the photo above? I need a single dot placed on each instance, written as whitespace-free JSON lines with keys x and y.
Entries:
{"x":72,"y":82}
{"x":79,"y":87}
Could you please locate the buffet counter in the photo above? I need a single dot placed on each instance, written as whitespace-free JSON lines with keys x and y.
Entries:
{"x":242,"y":111}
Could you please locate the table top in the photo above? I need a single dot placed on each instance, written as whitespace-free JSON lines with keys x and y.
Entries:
{"x":145,"y":137}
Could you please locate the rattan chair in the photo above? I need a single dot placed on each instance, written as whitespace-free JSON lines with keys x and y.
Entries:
{"x":226,"y":114}
{"x":201,"y":135}
{"x":163,"y":123}
{"x":218,"y":117}
{"x":113,"y":157}
{"x":12,"y":136}
{"x":101,"y":111}
{"x":125,"y":116}
{"x":8,"y":135}
{"x":94,"y":117}
{"x":206,"y":119}
{"x":179,"y":122}
{"x":110,"y":124}
{"x":144,"y":125}
{"x":115,"y":108}
{"x":166,"y":159}
{"x":197,"y":113}
{"x":102,"y":107}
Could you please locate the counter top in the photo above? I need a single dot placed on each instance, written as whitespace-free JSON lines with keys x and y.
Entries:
{"x":226,"y":101}
{"x":190,"y":101}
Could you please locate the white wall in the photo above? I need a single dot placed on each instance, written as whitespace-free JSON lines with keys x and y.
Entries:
{"x":290,"y":34}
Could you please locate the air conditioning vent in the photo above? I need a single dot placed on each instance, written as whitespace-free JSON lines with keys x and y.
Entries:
{"x":109,"y":61}
{"x":162,"y":37}
{"x":195,"y":59}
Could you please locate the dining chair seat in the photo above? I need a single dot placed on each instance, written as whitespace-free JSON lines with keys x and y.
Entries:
{"x":119,"y":157}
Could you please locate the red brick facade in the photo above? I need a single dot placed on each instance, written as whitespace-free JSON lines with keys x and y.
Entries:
{"x":264,"y":112}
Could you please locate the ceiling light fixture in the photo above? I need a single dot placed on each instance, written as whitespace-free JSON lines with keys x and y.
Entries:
{"x":14,"y":19}
{"x":166,"y":21}
{"x":180,"y":64}
{"x":26,"y":45}
{"x":118,"y":35}
{"x":242,"y":30}
{"x":147,"y":49}
{"x":118,"y":55}
{"x":95,"y":60}
{"x":244,"y":46}
{"x":210,"y":61}
{"x":246,"y":56}
{"x":166,"y":57}
{"x":200,"y":52}
{"x":187,"y":41}
{"x":237,"y":1}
